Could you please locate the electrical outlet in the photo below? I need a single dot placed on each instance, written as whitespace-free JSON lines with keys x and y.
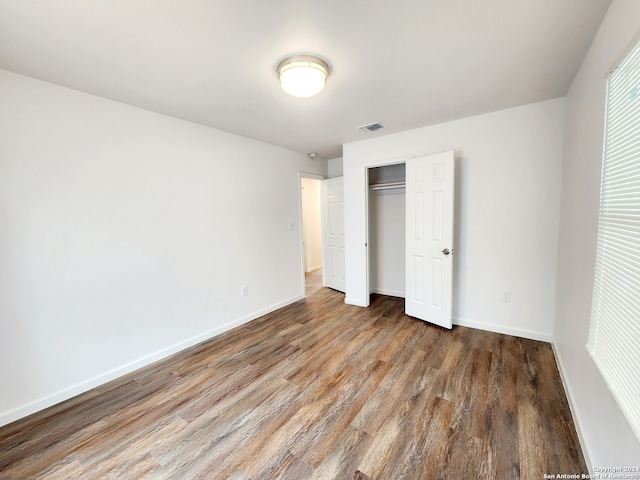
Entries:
{"x":506,"y":295}
{"x":244,"y":290}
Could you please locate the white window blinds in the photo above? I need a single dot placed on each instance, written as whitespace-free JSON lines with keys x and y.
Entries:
{"x":614,"y":336}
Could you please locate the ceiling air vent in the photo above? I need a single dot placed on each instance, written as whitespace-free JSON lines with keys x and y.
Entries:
{"x":372,"y":127}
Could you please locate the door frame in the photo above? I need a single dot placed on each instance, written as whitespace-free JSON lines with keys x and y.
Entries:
{"x":303,"y":282}
{"x":365,"y":180}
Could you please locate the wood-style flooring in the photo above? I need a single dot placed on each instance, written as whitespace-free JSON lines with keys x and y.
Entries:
{"x":316,"y":390}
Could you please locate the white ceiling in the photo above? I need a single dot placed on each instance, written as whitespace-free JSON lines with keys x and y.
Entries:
{"x":405,"y":63}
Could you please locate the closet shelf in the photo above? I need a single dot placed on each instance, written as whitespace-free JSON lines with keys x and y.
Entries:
{"x":387,"y":186}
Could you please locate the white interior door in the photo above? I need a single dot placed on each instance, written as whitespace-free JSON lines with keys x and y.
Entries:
{"x":429,"y":238}
{"x":333,"y":198}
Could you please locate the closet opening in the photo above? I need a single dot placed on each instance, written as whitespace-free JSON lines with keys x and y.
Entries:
{"x":386,"y":229}
{"x":408,"y":211}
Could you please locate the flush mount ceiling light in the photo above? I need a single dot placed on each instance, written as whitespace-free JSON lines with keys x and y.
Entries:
{"x":302,"y":75}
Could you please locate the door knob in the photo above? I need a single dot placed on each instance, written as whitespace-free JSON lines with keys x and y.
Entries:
{"x":446,"y":251}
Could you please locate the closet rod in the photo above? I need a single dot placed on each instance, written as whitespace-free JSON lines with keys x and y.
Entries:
{"x":387,"y":186}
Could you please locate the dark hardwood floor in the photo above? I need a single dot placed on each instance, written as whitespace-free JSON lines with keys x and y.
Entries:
{"x":316,"y":390}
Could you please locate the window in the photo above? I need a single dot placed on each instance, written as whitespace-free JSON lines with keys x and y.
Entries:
{"x":614,"y":336}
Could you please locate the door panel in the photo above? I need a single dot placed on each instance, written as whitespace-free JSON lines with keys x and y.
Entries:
{"x":333,"y":198}
{"x":429,"y":238}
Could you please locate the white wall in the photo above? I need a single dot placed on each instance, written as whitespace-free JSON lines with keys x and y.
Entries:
{"x":126,"y":236}
{"x":508,"y":191}
{"x":311,"y":195}
{"x":607,"y":438}
{"x":334,"y":167}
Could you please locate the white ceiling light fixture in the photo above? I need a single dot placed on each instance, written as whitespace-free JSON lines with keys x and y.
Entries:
{"x":302,"y":75}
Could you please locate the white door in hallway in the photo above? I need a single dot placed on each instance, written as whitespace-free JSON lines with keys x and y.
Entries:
{"x":429,"y":238}
{"x":334,"y":261}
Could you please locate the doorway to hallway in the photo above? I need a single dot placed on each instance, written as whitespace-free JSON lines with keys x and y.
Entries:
{"x":311,"y":230}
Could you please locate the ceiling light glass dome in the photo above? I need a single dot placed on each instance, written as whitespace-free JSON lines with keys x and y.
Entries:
{"x":303,"y":75}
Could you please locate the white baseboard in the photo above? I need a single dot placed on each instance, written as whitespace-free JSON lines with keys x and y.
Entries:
{"x":490,"y":327}
{"x":390,"y":293}
{"x":516,"y":332}
{"x":82,"y":387}
{"x":313,"y":269}
{"x":355,"y":301}
{"x":572,"y":406}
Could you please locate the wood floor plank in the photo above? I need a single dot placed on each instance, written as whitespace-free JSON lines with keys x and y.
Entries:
{"x":531,"y":435}
{"x":360,"y":476}
{"x":334,"y":420}
{"x":249,"y":439}
{"x":290,"y":468}
{"x":420,"y":457}
{"x":500,"y":458}
{"x":67,"y":467}
{"x":316,"y":390}
{"x":320,"y":395}
{"x":383,"y":400}
{"x":390,"y":438}
{"x":216,"y":431}
{"x":463,"y":454}
{"x":344,"y":457}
